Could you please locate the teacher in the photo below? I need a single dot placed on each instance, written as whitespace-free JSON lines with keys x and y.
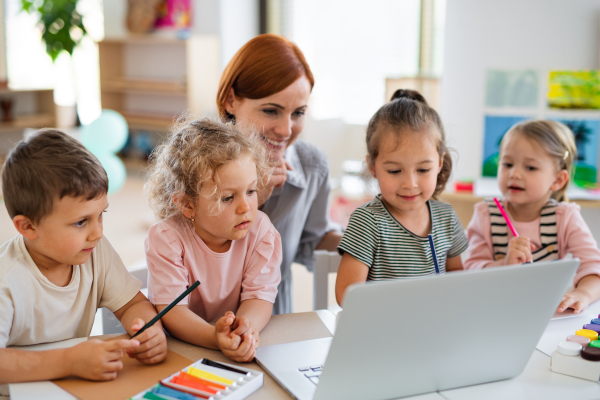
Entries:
{"x":266,"y":87}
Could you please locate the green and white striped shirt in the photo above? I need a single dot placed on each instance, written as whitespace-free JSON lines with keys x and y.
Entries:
{"x":377,"y":239}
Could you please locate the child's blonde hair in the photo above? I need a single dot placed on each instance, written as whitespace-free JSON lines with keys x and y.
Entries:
{"x":190,"y":159}
{"x":554,"y":137}
{"x":409,"y":109}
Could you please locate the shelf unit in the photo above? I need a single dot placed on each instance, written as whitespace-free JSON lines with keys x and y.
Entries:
{"x":32,"y":108}
{"x":151,"y":79}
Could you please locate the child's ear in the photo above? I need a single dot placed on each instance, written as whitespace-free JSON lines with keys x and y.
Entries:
{"x":371,"y":166}
{"x":185,"y":205}
{"x":441,"y":161}
{"x":561,"y":179}
{"x":25,"y":227}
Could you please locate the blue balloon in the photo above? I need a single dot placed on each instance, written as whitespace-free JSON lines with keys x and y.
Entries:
{"x":106,"y":134}
{"x":115,"y":169}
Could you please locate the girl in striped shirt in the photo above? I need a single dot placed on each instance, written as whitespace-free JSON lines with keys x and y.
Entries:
{"x":387,"y":238}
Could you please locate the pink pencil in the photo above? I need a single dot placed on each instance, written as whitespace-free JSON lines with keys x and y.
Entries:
{"x":510,"y":225}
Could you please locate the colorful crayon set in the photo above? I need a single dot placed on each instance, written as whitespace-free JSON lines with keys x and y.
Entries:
{"x":206,"y":379}
{"x":579,"y":355}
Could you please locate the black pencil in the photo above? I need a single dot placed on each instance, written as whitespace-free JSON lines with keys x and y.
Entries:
{"x":167,"y":308}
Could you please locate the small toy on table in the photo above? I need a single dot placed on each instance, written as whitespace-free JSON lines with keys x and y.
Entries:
{"x":579,"y":355}
{"x":206,"y":379}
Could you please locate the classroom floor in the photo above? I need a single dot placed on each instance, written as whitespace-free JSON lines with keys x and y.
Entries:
{"x":128,"y":219}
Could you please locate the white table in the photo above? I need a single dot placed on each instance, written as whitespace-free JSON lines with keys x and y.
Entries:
{"x":536,"y":382}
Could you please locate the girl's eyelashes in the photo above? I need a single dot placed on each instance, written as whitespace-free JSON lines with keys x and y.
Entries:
{"x":530,"y":168}
{"x":507,"y":165}
{"x":394,"y":171}
{"x":81,"y":223}
{"x":251,"y":192}
{"x":424,"y":170}
{"x":227,"y":199}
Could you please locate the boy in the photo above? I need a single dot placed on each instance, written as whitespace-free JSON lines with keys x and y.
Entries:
{"x":59,"y":269}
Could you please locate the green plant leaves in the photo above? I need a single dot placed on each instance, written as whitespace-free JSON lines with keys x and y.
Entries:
{"x":62,"y":25}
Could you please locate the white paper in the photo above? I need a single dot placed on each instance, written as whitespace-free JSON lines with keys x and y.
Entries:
{"x":45,"y":389}
{"x":38,"y":390}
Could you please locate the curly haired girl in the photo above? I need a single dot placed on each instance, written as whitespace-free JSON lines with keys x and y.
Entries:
{"x":202,"y":186}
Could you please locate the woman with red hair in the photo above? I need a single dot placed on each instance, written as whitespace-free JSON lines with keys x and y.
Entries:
{"x":266,"y":87}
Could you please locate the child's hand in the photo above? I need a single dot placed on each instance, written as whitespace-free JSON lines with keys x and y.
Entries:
{"x":98,"y":360}
{"x":519,"y":251}
{"x":578,"y":300}
{"x":238,"y":348}
{"x":153,"y":343}
{"x":243,"y":326}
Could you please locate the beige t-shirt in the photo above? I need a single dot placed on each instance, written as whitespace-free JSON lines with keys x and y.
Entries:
{"x":33,"y":310}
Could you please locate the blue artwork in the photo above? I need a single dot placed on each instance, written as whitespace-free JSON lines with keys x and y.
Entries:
{"x":495,"y":129}
{"x":586,"y":132}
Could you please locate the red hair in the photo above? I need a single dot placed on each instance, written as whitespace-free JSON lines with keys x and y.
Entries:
{"x":264,"y":66}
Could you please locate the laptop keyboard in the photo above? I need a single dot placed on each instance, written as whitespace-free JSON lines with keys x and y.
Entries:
{"x":312,"y":373}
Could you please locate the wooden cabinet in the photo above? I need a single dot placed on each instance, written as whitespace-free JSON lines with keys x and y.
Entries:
{"x":151,"y":79}
{"x":30,"y":108}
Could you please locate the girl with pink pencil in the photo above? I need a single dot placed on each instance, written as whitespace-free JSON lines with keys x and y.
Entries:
{"x":536,"y":159}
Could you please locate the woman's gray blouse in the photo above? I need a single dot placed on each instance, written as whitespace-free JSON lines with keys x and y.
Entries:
{"x":299,"y":210}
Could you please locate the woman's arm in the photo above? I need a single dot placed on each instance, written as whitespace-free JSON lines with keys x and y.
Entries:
{"x":350,"y":271}
{"x":330,"y":241}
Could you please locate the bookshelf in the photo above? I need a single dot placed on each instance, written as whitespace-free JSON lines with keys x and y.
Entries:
{"x":31,"y":108}
{"x":150,"y":79}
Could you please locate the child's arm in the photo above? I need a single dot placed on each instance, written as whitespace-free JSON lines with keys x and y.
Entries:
{"x":93,"y":359}
{"x":186,"y":325}
{"x":350,"y":271}
{"x":153,"y":342}
{"x":454,"y":264}
{"x":586,"y":292}
{"x":575,"y":237}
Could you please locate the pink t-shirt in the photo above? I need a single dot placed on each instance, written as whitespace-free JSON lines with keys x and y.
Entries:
{"x":177,"y":257}
{"x":574,"y":237}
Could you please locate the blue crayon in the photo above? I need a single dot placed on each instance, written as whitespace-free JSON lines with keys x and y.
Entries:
{"x":435,"y":260}
{"x":176,"y":394}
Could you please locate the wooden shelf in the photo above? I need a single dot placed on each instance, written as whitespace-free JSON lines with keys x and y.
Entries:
{"x":7,"y":90}
{"x":144,"y":39}
{"x":171,"y":75}
{"x":149,"y":121}
{"x":124,"y":85}
{"x":34,"y":121}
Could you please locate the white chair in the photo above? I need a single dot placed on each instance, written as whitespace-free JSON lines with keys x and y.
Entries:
{"x":110,"y":323}
{"x":326,"y":262}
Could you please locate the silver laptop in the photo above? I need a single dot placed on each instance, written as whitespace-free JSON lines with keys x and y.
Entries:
{"x":406,"y":337}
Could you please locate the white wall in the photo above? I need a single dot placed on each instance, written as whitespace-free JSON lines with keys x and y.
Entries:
{"x":507,"y":34}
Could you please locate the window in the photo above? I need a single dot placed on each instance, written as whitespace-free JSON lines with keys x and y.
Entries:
{"x":352,"y":46}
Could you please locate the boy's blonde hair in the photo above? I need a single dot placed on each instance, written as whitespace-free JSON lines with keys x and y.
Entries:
{"x":554,"y":137}
{"x":191,"y":157}
{"x":46,"y":167}
{"x":409,"y":109}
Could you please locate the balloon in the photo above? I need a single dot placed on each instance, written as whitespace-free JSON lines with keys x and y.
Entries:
{"x":104,"y":137}
{"x":106,"y":134}
{"x":115,"y":169}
